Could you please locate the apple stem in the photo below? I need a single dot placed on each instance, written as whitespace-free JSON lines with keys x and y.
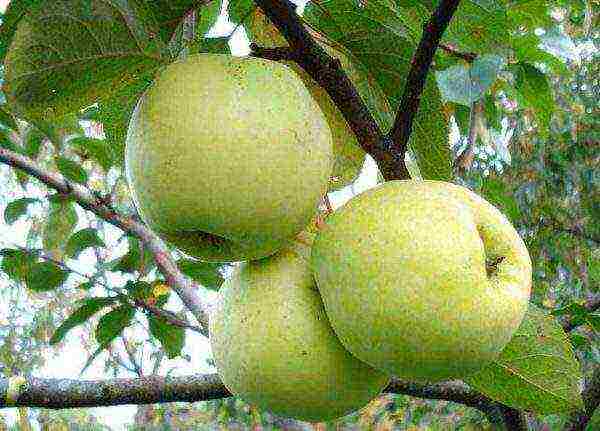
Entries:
{"x":491,"y":265}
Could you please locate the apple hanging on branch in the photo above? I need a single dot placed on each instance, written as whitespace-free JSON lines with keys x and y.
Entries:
{"x":403,"y":276}
{"x":228,"y":157}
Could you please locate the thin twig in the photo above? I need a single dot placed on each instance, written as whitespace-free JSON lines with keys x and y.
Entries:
{"x":467,"y":56}
{"x":185,"y":288}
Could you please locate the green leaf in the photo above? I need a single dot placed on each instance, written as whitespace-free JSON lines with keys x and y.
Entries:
{"x":492,"y":115}
{"x":15,"y":11}
{"x":477,"y":26}
{"x":215,"y":45}
{"x":205,"y":273}
{"x":82,"y":314}
{"x":18,"y":263}
{"x":96,"y":149}
{"x":537,"y":371}
{"x":62,"y":219}
{"x":495,"y":191}
{"x":134,"y":260}
{"x":172,"y":338}
{"x":238,"y":10}
{"x":527,"y":50}
{"x":81,"y":240}
{"x":113,"y":323}
{"x":45,"y":276}
{"x":139,"y":289}
{"x":16,"y":209}
{"x":429,"y":139}
{"x":32,"y":141}
{"x":578,"y":314}
{"x":86,"y":285}
{"x":594,"y":321}
{"x":207,"y":18}
{"x":7,"y":120}
{"x":534,"y":89}
{"x":168,"y":14}
{"x":578,"y":341}
{"x":66,"y":54}
{"x":71,"y":170}
{"x":114,"y":112}
{"x":466,"y":83}
{"x":360,"y":30}
{"x":462,"y":115}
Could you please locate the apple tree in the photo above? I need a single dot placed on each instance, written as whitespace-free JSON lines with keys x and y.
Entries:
{"x":478,"y":93}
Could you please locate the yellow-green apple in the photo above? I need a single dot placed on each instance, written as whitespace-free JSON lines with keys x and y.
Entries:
{"x":273,"y":345}
{"x":228,"y":157}
{"x":424,"y":280}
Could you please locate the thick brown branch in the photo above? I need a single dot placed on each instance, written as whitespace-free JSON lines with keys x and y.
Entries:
{"x":451,"y":391}
{"x":64,"y":393}
{"x":280,"y":53}
{"x":591,"y":399}
{"x":182,"y":285}
{"x":415,"y":82}
{"x":328,"y":73}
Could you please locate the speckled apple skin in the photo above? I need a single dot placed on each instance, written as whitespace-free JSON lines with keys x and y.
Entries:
{"x":227,"y":157}
{"x":273,"y":345}
{"x":402,"y":273}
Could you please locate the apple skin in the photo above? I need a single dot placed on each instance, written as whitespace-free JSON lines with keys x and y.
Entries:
{"x":402,"y":272}
{"x":273,"y":345}
{"x":228,"y":157}
{"x":348,"y":154}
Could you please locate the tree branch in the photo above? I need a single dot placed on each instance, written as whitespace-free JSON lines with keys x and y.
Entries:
{"x":455,"y":391}
{"x":467,"y":56}
{"x":328,"y":73}
{"x":131,"y":355}
{"x":417,"y":76}
{"x":65,"y":393}
{"x":464,"y":161}
{"x":167,"y":315}
{"x":280,"y":53}
{"x":182,"y":285}
{"x":591,"y":399}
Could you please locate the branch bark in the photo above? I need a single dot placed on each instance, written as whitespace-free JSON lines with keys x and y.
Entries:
{"x":328,"y":73}
{"x":185,"y":288}
{"x":417,"y":76}
{"x":65,"y":393}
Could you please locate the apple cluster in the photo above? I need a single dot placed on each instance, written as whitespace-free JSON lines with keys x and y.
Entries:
{"x":227,"y":159}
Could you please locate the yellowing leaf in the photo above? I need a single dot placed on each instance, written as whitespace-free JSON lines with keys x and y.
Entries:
{"x":160,"y":289}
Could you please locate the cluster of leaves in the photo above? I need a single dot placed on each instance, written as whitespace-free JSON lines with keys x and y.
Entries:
{"x":114,"y":52}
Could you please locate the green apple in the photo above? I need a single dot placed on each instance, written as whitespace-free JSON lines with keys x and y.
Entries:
{"x":424,"y":280}
{"x":228,"y":157}
{"x":273,"y":345}
{"x":348,"y":154}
